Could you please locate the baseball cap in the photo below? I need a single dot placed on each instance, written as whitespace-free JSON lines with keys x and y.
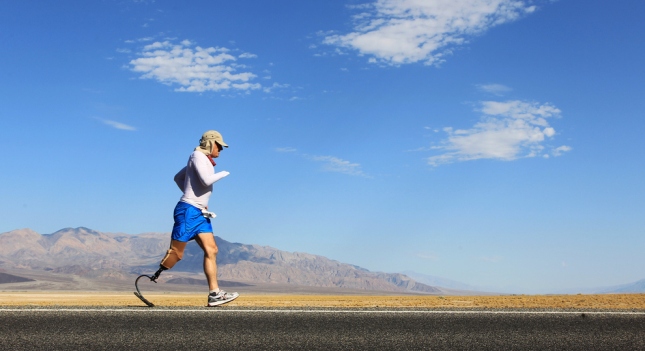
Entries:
{"x":214,"y":135}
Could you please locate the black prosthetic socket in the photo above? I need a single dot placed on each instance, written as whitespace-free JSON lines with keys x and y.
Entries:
{"x":157,"y":273}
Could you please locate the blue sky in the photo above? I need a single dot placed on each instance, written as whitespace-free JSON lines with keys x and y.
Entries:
{"x":494,"y":142}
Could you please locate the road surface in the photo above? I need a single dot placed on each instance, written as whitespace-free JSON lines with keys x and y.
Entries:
{"x":284,"y":329}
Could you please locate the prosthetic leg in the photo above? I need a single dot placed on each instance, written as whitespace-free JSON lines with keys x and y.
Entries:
{"x":173,"y":255}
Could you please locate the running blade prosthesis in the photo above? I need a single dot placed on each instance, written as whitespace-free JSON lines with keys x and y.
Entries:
{"x":138,"y":292}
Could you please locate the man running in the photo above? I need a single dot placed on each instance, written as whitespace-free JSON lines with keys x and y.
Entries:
{"x":192,"y":219}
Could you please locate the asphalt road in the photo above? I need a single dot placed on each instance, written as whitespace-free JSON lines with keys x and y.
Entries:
{"x":235,"y":329}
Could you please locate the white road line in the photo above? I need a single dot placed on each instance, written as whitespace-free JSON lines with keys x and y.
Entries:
{"x":219,"y":310}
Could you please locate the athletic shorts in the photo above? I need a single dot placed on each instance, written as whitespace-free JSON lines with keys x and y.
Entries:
{"x":189,"y":222}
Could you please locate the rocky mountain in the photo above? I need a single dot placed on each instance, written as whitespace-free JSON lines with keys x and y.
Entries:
{"x":80,"y":251}
{"x":92,"y":254}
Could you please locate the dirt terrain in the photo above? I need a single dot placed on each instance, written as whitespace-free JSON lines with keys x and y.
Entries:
{"x":601,"y":302}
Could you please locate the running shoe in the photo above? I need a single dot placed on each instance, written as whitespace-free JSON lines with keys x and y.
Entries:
{"x":221,"y":297}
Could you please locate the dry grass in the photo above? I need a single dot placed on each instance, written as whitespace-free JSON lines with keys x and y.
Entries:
{"x":614,"y":302}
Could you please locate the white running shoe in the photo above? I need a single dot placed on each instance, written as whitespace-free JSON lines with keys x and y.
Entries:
{"x":221,"y":297}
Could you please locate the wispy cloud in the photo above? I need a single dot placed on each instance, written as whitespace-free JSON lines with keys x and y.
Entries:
{"x":559,"y":150}
{"x":193,"y":68}
{"x":130,"y":41}
{"x":397,"y":32}
{"x":428,"y":256}
{"x":285,"y":149}
{"x":507,"y":131}
{"x":335,"y":164}
{"x":492,"y":259}
{"x":117,"y":125}
{"x":495,"y":89}
{"x":275,"y":86}
{"x":329,"y":163}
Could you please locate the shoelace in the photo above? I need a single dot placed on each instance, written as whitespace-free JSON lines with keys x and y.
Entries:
{"x":220,"y":295}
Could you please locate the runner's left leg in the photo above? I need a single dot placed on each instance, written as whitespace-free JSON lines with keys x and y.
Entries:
{"x":207,"y":242}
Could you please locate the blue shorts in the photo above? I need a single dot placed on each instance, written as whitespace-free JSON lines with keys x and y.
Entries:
{"x":189,"y":222}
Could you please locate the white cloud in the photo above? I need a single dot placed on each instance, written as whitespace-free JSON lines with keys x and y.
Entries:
{"x":506,"y":131}
{"x":492,"y":259}
{"x":248,"y":55}
{"x":559,"y":150}
{"x":330,"y":163}
{"x":428,"y":256}
{"x":274,"y":87}
{"x":193,"y":69}
{"x":406,"y":31}
{"x":132,"y":41}
{"x":495,"y":89}
{"x":117,"y":125}
{"x":335,"y":164}
{"x":285,"y":149}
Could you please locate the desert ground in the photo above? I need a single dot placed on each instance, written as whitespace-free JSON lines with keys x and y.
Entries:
{"x":123,"y":299}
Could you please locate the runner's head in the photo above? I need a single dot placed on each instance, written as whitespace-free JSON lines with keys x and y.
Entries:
{"x":211,"y":143}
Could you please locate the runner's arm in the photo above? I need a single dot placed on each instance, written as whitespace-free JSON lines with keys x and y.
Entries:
{"x":180,"y":179}
{"x":206,"y":172}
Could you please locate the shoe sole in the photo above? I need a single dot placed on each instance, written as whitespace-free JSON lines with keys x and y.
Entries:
{"x":213,"y":304}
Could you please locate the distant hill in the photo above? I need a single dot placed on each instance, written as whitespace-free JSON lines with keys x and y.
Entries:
{"x":630,"y":288}
{"x":91,"y":254}
{"x":6,"y":278}
{"x":636,"y":287}
{"x":438,"y":281}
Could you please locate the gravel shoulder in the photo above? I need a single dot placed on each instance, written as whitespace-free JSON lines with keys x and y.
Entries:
{"x":619,"y":302}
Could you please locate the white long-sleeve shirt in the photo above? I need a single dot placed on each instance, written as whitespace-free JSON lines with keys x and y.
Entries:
{"x":196,"y":180}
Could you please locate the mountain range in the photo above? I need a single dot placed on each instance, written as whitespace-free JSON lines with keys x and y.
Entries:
{"x":90,"y":254}
{"x":82,"y":258}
